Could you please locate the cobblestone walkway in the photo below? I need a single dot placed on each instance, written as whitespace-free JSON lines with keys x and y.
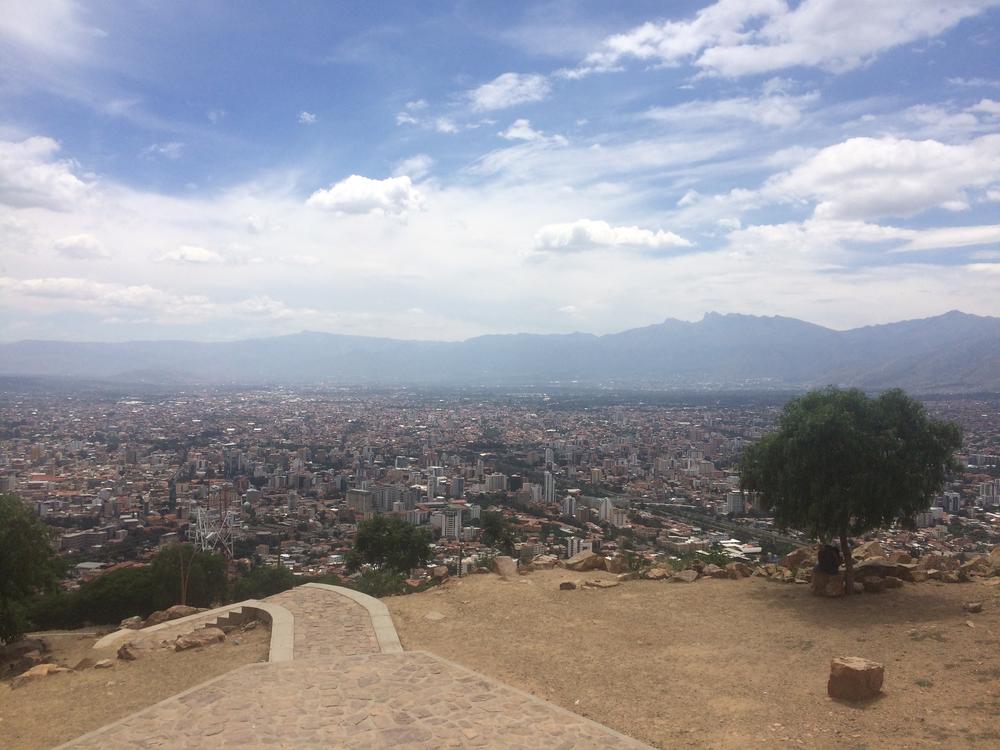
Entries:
{"x":406,"y":701}
{"x":342,"y":690}
{"x":327,"y":624}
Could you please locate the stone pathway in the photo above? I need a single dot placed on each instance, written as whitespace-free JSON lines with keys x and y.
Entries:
{"x":350,"y":686}
{"x":327,"y":624}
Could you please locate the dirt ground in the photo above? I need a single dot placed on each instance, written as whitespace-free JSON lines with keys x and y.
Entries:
{"x":727,"y":664}
{"x":48,"y":711}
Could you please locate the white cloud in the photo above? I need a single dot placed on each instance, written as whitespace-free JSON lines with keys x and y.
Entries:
{"x":52,"y":28}
{"x":80,"y":247}
{"x":508,"y":90}
{"x":30,"y":176}
{"x":772,"y":110}
{"x":191,"y":254}
{"x":172,"y":150}
{"x":415,"y":167}
{"x":746,"y":37}
{"x":307,"y":118}
{"x":986,"y":106}
{"x":521,"y":130}
{"x":405,"y":118}
{"x":586,"y":234}
{"x":445,"y":125}
{"x":872,"y":177}
{"x":362,"y":195}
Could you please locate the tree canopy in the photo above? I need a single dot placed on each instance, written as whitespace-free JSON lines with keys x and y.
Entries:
{"x":28,"y":564}
{"x":497,"y":532}
{"x":842,"y":464}
{"x":389,"y":543}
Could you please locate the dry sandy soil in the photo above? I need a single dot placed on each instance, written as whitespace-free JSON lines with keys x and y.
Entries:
{"x":48,"y":711}
{"x":727,"y":664}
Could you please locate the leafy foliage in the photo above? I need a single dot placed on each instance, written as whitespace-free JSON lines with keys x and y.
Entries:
{"x":842,"y":463}
{"x":264,"y":581}
{"x":389,"y":543}
{"x":28,"y":564}
{"x":497,"y":532}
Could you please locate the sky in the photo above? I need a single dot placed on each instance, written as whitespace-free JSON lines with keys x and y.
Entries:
{"x":440,"y":170}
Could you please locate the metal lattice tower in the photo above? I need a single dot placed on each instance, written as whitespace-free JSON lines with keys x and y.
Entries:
{"x":213,"y":531}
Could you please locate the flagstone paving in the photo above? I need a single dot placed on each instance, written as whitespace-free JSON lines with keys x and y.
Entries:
{"x":340,"y":690}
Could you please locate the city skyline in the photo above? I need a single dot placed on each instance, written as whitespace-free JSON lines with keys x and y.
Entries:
{"x":218,"y":173}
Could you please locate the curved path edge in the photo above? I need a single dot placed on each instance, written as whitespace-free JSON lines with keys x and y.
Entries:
{"x":385,"y":631}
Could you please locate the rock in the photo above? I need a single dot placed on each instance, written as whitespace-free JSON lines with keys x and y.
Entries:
{"x":795,"y":559}
{"x":950,"y":576}
{"x":995,"y":560}
{"x":714,"y":571}
{"x":978,"y":566}
{"x":84,"y":663}
{"x":900,"y":557}
{"x":197,"y":639}
{"x":685,"y":576}
{"x":633,"y":576}
{"x":891,"y":583}
{"x":439,"y":572}
{"x":131,"y":623}
{"x":784,"y":575}
{"x":738,"y":570}
{"x":824,"y":584}
{"x":36,"y":672}
{"x":171,"y":613}
{"x":656,"y":574}
{"x":973,"y":607}
{"x":567,"y":586}
{"x":248,"y":625}
{"x":918,"y":576}
{"x":991,"y":582}
{"x":759,"y":572}
{"x":544,"y":562}
{"x":616,"y":564}
{"x":126,"y":652}
{"x":598,"y":584}
{"x":859,"y":587}
{"x":867,"y":550}
{"x":585,"y":561}
{"x":504,"y":566}
{"x":104,"y":664}
{"x":803,"y":575}
{"x":854,"y":679}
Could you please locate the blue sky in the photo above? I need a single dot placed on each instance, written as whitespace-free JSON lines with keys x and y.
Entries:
{"x":442,"y":170}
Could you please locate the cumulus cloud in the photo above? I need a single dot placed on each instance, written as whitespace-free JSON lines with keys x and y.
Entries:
{"x":307,"y":118}
{"x":508,"y":90}
{"x":521,"y":130}
{"x":445,"y":125}
{"x":81,"y":247}
{"x":171,"y":150}
{"x":587,"y":234}
{"x":746,"y":37}
{"x":363,"y":195}
{"x":871,"y":177}
{"x":31,"y":176}
{"x":191,"y":254}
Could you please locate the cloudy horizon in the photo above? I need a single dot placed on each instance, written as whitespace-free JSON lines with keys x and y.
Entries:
{"x":183,"y":171}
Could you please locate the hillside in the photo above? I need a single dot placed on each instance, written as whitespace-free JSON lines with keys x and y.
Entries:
{"x":723,"y":663}
{"x":951,"y":353}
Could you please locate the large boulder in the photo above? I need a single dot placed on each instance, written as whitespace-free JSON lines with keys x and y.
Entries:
{"x":504,"y":566}
{"x":854,"y":679}
{"x":738,"y":570}
{"x":684,"y":576}
{"x":796,"y":558}
{"x":825,"y":584}
{"x":995,"y":560}
{"x":543,"y":562}
{"x":900,"y":557}
{"x":567,"y":585}
{"x":656,"y":574}
{"x":170,"y":613}
{"x":867,"y":550}
{"x":616,"y":564}
{"x":584,"y":561}
{"x":976,"y":566}
{"x":36,"y":672}
{"x":131,"y":623}
{"x":714,"y":571}
{"x":197,"y":639}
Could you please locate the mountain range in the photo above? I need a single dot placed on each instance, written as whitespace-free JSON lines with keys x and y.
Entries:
{"x":950,"y":353}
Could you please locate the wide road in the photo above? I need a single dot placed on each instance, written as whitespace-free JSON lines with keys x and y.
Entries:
{"x":722,"y":524}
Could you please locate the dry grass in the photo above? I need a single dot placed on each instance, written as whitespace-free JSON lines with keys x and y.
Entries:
{"x":51,"y":710}
{"x":727,"y":664}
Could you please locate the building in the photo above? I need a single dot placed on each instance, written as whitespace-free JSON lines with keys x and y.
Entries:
{"x":549,"y":488}
{"x":604,"y":509}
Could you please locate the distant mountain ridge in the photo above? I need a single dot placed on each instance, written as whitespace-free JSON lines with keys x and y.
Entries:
{"x":951,"y":353}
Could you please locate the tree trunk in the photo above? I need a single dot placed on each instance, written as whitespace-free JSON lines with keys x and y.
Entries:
{"x":845,"y":552}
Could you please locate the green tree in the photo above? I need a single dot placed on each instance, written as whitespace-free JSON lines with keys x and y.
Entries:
{"x":497,"y":532}
{"x":843,"y":464}
{"x":264,"y":581}
{"x":28,"y":564}
{"x":389,"y":543}
{"x":180,"y":574}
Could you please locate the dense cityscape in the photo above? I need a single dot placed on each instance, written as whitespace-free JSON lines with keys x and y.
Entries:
{"x":282,"y":477}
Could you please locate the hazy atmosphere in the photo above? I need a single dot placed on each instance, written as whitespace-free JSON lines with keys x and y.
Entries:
{"x":218,"y":171}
